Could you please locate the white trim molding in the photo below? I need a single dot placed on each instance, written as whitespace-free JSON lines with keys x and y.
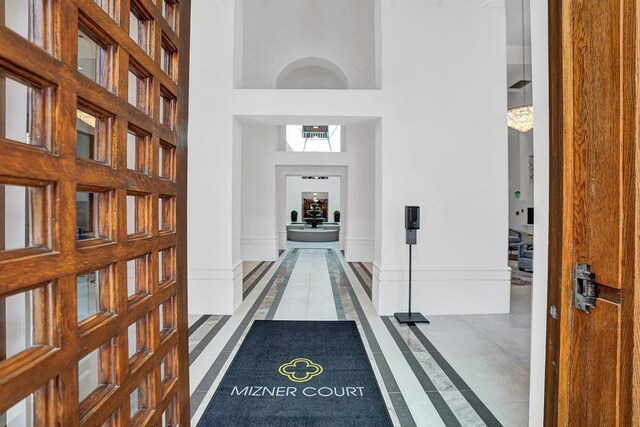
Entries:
{"x":259,"y":248}
{"x":441,"y":292}
{"x":215,"y":290}
{"x":359,"y":250}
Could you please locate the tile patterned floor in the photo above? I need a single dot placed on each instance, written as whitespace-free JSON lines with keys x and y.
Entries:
{"x":457,"y":371}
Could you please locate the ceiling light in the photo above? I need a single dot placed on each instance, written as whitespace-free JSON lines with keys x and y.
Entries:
{"x":521,"y":118}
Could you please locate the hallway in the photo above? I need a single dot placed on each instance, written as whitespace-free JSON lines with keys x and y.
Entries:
{"x":459,"y":370}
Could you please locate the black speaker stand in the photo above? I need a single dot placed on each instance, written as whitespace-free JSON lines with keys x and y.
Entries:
{"x":410,"y":317}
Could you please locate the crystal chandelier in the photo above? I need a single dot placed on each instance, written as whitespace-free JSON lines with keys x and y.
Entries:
{"x":521,"y":118}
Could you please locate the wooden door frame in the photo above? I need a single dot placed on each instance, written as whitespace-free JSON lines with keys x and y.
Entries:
{"x":181,"y":214}
{"x":561,"y":216}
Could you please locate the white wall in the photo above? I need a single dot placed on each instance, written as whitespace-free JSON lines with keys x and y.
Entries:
{"x":439,"y":60}
{"x":279,"y":32}
{"x":444,"y":148}
{"x":264,"y":224}
{"x":360,"y":240}
{"x":295,"y":186}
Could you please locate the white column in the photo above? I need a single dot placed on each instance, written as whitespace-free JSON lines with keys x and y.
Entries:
{"x":215,"y":282}
{"x":444,"y":148}
{"x":359,"y":241}
{"x":259,"y":239}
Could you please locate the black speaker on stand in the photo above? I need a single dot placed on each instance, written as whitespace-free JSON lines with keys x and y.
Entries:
{"x":412,"y":225}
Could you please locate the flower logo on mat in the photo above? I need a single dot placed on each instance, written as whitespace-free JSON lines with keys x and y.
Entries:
{"x":300,"y":370}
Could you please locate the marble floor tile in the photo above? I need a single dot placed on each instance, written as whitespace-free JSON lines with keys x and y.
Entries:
{"x":489,"y":353}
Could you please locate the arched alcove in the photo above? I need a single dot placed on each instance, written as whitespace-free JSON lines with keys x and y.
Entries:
{"x":312,"y":73}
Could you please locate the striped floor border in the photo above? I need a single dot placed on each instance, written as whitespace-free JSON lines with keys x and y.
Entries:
{"x":339,"y":278}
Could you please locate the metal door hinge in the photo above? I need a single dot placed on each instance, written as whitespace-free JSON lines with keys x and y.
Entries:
{"x":586,"y":290}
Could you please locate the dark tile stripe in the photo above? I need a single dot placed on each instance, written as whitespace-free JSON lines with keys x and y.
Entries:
{"x":443,"y":409}
{"x":397,"y":399}
{"x":198,"y":323}
{"x":366,"y":270}
{"x":204,"y":342}
{"x":333,"y":270}
{"x":289,"y":264}
{"x":366,"y":288}
{"x":209,"y":378}
{"x":483,"y":412}
{"x":256,"y":268}
{"x":246,"y":293}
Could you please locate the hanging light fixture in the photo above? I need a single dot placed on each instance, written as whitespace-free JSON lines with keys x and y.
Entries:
{"x":521,"y":118}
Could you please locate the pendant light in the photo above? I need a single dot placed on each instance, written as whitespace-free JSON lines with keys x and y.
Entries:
{"x":521,"y":118}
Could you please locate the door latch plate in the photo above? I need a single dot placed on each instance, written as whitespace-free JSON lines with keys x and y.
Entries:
{"x":586,"y":290}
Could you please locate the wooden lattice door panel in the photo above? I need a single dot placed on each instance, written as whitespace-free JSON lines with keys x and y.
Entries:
{"x":93,"y":308}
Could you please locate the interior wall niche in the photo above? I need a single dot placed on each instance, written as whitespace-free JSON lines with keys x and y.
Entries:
{"x":306,"y":44}
{"x":312,"y":73}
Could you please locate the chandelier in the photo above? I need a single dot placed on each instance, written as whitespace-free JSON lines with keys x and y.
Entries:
{"x":521,"y":118}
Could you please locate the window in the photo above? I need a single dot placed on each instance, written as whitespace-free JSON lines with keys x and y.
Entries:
{"x":168,"y":58}
{"x":138,"y":88}
{"x":138,"y":150}
{"x":314,"y":138}
{"x":167,"y":109}
{"x":170,"y":12}
{"x":137,"y":277}
{"x":139,"y":25}
{"x":139,"y":401}
{"x":166,"y":313}
{"x":93,"y":57}
{"x":24,"y":321}
{"x":88,"y":374}
{"x":27,"y":18}
{"x":26,"y":221}
{"x":93,"y":134}
{"x":166,"y":266}
{"x":166,"y":163}
{"x":96,"y":376}
{"x":25,"y":110}
{"x":137,"y":214}
{"x":138,"y":341}
{"x":22,"y":414}
{"x":93,"y":293}
{"x":166,"y":214}
{"x":170,"y":415}
{"x":106,"y":5}
{"x":93,"y":215}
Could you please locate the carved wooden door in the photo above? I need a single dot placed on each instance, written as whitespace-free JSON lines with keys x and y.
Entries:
{"x":93,"y":109}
